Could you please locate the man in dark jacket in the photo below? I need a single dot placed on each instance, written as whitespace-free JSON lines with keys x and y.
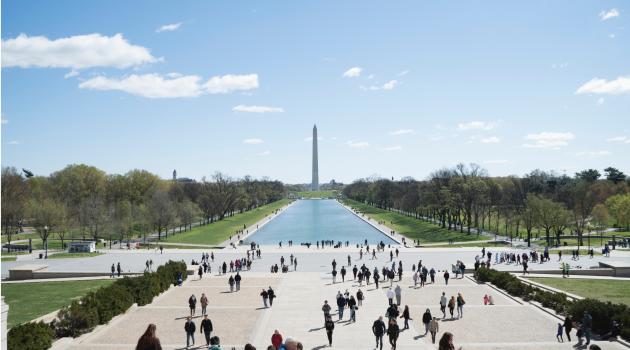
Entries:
{"x":341,"y":304}
{"x":206,"y":328}
{"x":378,"y":328}
{"x":190,"y":329}
{"x":271,"y":294}
{"x":237,"y":279}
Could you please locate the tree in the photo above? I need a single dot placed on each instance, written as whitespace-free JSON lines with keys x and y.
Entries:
{"x":531,"y":215}
{"x":14,"y":198}
{"x":614,"y":174}
{"x":161,"y":211}
{"x":600,"y":216}
{"x":619,"y":207}
{"x":47,"y":216}
{"x":187,"y":211}
{"x":589,"y":175}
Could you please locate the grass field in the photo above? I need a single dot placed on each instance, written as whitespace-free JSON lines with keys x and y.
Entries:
{"x":219,"y":231}
{"x":72,"y":255}
{"x":615,"y":291}
{"x":412,"y":228}
{"x":471,"y":244}
{"x":316,"y":194}
{"x":28,"y":301}
{"x":8,"y":258}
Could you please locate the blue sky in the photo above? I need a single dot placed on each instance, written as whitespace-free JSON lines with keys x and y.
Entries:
{"x":396,"y":89}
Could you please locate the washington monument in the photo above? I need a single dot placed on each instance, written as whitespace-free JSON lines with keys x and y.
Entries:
{"x":315,"y":177}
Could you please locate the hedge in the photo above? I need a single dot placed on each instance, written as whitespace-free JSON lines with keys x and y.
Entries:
{"x":603,"y":313}
{"x":96,"y":308}
{"x":30,"y":336}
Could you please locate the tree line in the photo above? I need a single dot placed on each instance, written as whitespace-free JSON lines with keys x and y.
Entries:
{"x":83,"y":201}
{"x":466,"y":198}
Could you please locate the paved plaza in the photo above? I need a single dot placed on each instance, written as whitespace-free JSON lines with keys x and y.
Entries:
{"x":239,"y":317}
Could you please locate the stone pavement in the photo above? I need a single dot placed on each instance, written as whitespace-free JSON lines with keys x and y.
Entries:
{"x":239,"y":317}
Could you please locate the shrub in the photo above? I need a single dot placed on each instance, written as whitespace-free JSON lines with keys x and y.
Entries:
{"x":76,"y":319}
{"x":603,"y":313}
{"x":30,"y":336}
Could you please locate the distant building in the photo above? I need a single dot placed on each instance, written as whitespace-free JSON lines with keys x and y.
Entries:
{"x":82,"y":247}
{"x":174,"y":175}
{"x":315,"y":175}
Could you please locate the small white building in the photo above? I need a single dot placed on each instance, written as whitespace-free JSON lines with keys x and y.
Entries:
{"x":82,"y":247}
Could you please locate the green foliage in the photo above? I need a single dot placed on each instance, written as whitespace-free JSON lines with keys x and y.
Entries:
{"x":101,"y":306}
{"x":30,"y":336}
{"x":603,"y":313}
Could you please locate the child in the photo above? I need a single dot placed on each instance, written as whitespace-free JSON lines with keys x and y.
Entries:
{"x":559,"y":333}
{"x":485,"y":299}
{"x":490,"y":299}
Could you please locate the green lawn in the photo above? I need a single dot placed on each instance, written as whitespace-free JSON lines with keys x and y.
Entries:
{"x":66,"y":255}
{"x":219,"y":231}
{"x":615,"y":291}
{"x":471,"y":244}
{"x":8,"y":258}
{"x":28,"y":301}
{"x":413,"y":228}
{"x":168,"y":246}
{"x":316,"y":194}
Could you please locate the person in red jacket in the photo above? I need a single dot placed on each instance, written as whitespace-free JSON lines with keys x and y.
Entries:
{"x":276,"y":339}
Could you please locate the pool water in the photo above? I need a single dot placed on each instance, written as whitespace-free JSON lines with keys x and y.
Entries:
{"x":316,"y":220}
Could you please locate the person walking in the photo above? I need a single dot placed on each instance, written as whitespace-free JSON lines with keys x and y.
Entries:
{"x":200,"y":272}
{"x":341,"y":304}
{"x":326,"y":310}
{"x":426,"y":320}
{"x":334,"y":274}
{"x":559,"y":333}
{"x":237,"y":280}
{"x":343,"y":274}
{"x":231,"y":283}
{"x":398,"y":292}
{"x":434,"y":327}
{"x":272,"y":295}
{"x":446,"y":277}
{"x":390,"y":296}
{"x":206,"y":328}
{"x":192,"y":304}
{"x":204,"y":304}
{"x":276,"y":339}
{"x":451,"y":306}
{"x":443,"y":305}
{"x":446,"y":342}
{"x":378,"y":329}
{"x":190,"y":329}
{"x":587,"y":324}
{"x":148,"y":340}
{"x":393,"y":331}
{"x":118,"y":269}
{"x":330,"y":326}
{"x":215,"y":343}
{"x":352,"y":305}
{"x":406,"y":316}
{"x":460,"y":305}
{"x":568,"y":325}
{"x":265,"y":295}
{"x":360,"y":297}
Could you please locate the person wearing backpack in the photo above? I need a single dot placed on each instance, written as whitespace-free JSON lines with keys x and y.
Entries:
{"x":460,"y":305}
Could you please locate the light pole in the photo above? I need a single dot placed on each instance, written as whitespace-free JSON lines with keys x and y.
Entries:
{"x":46,"y":242}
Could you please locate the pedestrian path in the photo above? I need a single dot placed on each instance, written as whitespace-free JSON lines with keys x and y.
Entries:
{"x":240,"y":317}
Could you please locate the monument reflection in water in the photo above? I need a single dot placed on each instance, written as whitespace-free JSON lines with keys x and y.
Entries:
{"x":316,"y":220}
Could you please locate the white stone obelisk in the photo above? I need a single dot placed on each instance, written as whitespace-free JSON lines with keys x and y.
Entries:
{"x":315,"y":177}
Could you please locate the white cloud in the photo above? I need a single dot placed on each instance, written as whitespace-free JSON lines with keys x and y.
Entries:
{"x":392,"y":148}
{"x":158,"y":86}
{"x":72,"y":73}
{"x":76,"y":52}
{"x":228,"y":83}
{"x":358,"y":144}
{"x":602,"y":86}
{"x":593,"y":153}
{"x":606,"y":15}
{"x":403,"y":73}
{"x":14,"y":142}
{"x":253,"y":141}
{"x":620,"y":139}
{"x":495,"y":161}
{"x":169,"y":27}
{"x":352,"y":72}
{"x":600,"y":101}
{"x":401,"y":132}
{"x":390,"y":85}
{"x":491,"y":139}
{"x":552,"y":140}
{"x":257,"y":109}
{"x":264,"y":153}
{"x":476,"y":125}
{"x":612,"y":35}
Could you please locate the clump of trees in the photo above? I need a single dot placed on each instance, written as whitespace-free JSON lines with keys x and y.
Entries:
{"x":83,"y":201}
{"x":466,"y":198}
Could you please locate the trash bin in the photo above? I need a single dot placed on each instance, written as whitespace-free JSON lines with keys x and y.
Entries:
{"x":41,"y":256}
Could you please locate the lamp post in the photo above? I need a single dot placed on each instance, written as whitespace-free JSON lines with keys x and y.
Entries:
{"x":46,"y":242}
